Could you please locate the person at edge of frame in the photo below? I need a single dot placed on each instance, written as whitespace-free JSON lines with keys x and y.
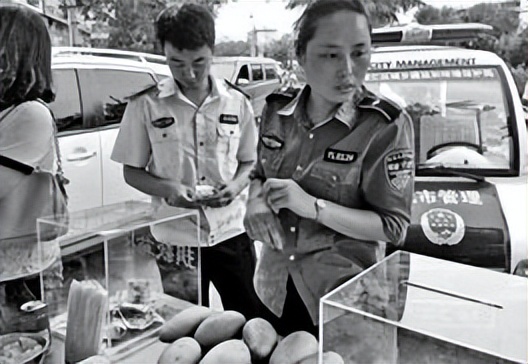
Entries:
{"x":335,"y":169}
{"x":27,"y":136}
{"x":193,"y":129}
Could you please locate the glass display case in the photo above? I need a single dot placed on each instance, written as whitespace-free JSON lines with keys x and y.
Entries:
{"x":126,"y":269}
{"x":24,"y":324}
{"x":411,"y":308}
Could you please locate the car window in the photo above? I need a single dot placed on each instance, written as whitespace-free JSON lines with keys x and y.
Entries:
{"x":460,"y":115}
{"x":67,"y":106}
{"x":271,"y":72}
{"x":256,"y":71}
{"x":105,"y":93}
{"x":243,"y":74}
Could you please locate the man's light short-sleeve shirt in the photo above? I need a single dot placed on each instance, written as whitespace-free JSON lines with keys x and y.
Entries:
{"x":163,"y":131}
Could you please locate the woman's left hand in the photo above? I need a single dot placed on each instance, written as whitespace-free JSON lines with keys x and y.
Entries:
{"x":286,"y":193}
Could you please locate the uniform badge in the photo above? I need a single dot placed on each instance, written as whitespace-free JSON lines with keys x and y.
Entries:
{"x":443,"y":226}
{"x":271,"y":142}
{"x":399,"y":168}
{"x":162,"y":123}
{"x":339,"y":156}
{"x":229,"y":119}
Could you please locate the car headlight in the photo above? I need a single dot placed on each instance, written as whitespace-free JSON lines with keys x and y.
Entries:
{"x":522,"y":268}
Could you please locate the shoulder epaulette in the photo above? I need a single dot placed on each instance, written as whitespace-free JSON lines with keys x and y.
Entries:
{"x":142,"y":92}
{"x":235,"y":87}
{"x":285,"y":95}
{"x":389,"y":109}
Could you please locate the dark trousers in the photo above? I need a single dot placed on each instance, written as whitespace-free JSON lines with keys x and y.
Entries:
{"x":295,"y":316}
{"x":230,"y":266}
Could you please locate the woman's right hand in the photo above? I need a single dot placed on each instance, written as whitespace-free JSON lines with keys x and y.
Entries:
{"x":262,"y":224}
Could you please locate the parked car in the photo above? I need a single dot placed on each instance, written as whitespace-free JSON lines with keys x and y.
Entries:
{"x":154,"y":61}
{"x":470,"y":199}
{"x":256,"y":76}
{"x":90,"y":101}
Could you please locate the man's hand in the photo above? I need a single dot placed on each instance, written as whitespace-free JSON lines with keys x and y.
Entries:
{"x":262,"y":224}
{"x":286,"y":193}
{"x":224,"y":195}
{"x":182,"y":196}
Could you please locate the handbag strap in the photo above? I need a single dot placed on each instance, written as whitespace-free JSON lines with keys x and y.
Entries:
{"x":60,"y":172}
{"x":27,"y":169}
{"x":16,"y":165}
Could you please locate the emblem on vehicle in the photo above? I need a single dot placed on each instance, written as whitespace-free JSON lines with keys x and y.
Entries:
{"x":443,"y":226}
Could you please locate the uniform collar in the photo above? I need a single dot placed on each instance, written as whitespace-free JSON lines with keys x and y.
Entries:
{"x":168,"y":87}
{"x":346,"y":113}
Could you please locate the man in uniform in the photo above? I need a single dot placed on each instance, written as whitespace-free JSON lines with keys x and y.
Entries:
{"x":191,"y":132}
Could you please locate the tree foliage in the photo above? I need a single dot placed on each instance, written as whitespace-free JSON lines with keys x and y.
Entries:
{"x":130,"y":23}
{"x":432,"y":15}
{"x":280,"y":49}
{"x":504,"y":39}
{"x":382,"y":12}
{"x":232,"y":48}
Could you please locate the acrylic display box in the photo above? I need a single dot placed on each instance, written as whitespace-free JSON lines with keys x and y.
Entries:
{"x":411,"y":308}
{"x":114,"y":253}
{"x":24,"y":323}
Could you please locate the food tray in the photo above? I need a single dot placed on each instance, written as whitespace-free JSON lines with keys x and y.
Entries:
{"x":35,"y":358}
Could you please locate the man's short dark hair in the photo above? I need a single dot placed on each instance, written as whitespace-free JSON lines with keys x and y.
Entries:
{"x":189,"y":26}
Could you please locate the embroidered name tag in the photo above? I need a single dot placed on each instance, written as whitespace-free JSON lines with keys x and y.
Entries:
{"x":339,"y":156}
{"x":163,"y":122}
{"x":229,"y":119}
{"x":271,"y":142}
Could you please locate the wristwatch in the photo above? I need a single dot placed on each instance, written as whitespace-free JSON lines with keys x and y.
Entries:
{"x":319,"y":205}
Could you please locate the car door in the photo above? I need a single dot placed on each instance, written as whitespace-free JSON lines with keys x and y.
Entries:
{"x":79,"y":145}
{"x":104,"y":93}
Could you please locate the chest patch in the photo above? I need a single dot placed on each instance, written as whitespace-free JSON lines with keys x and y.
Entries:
{"x":339,"y":156}
{"x":399,"y":166}
{"x":229,"y":119}
{"x":162,"y":123}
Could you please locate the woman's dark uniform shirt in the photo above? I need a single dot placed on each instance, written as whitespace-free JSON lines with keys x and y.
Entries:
{"x":363,"y":158}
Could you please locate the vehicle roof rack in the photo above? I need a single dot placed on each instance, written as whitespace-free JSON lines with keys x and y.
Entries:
{"x":415,"y":33}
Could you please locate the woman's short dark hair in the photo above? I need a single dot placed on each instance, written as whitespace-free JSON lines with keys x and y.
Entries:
{"x":306,"y":25}
{"x":25,"y":56}
{"x":189,"y":26}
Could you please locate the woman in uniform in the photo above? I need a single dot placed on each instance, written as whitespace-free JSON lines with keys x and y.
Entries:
{"x":334,"y":177}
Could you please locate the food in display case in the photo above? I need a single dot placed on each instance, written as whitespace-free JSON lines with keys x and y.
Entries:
{"x":134,"y":316}
{"x":87,"y":304}
{"x":22,"y":348}
{"x":105,"y":246}
{"x":138,"y":290}
{"x":21,"y":258}
{"x":411,"y":308}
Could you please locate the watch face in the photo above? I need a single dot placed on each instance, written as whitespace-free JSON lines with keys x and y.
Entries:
{"x":321,"y":203}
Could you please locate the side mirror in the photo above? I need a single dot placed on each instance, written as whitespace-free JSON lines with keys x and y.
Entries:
{"x":242,"y":81}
